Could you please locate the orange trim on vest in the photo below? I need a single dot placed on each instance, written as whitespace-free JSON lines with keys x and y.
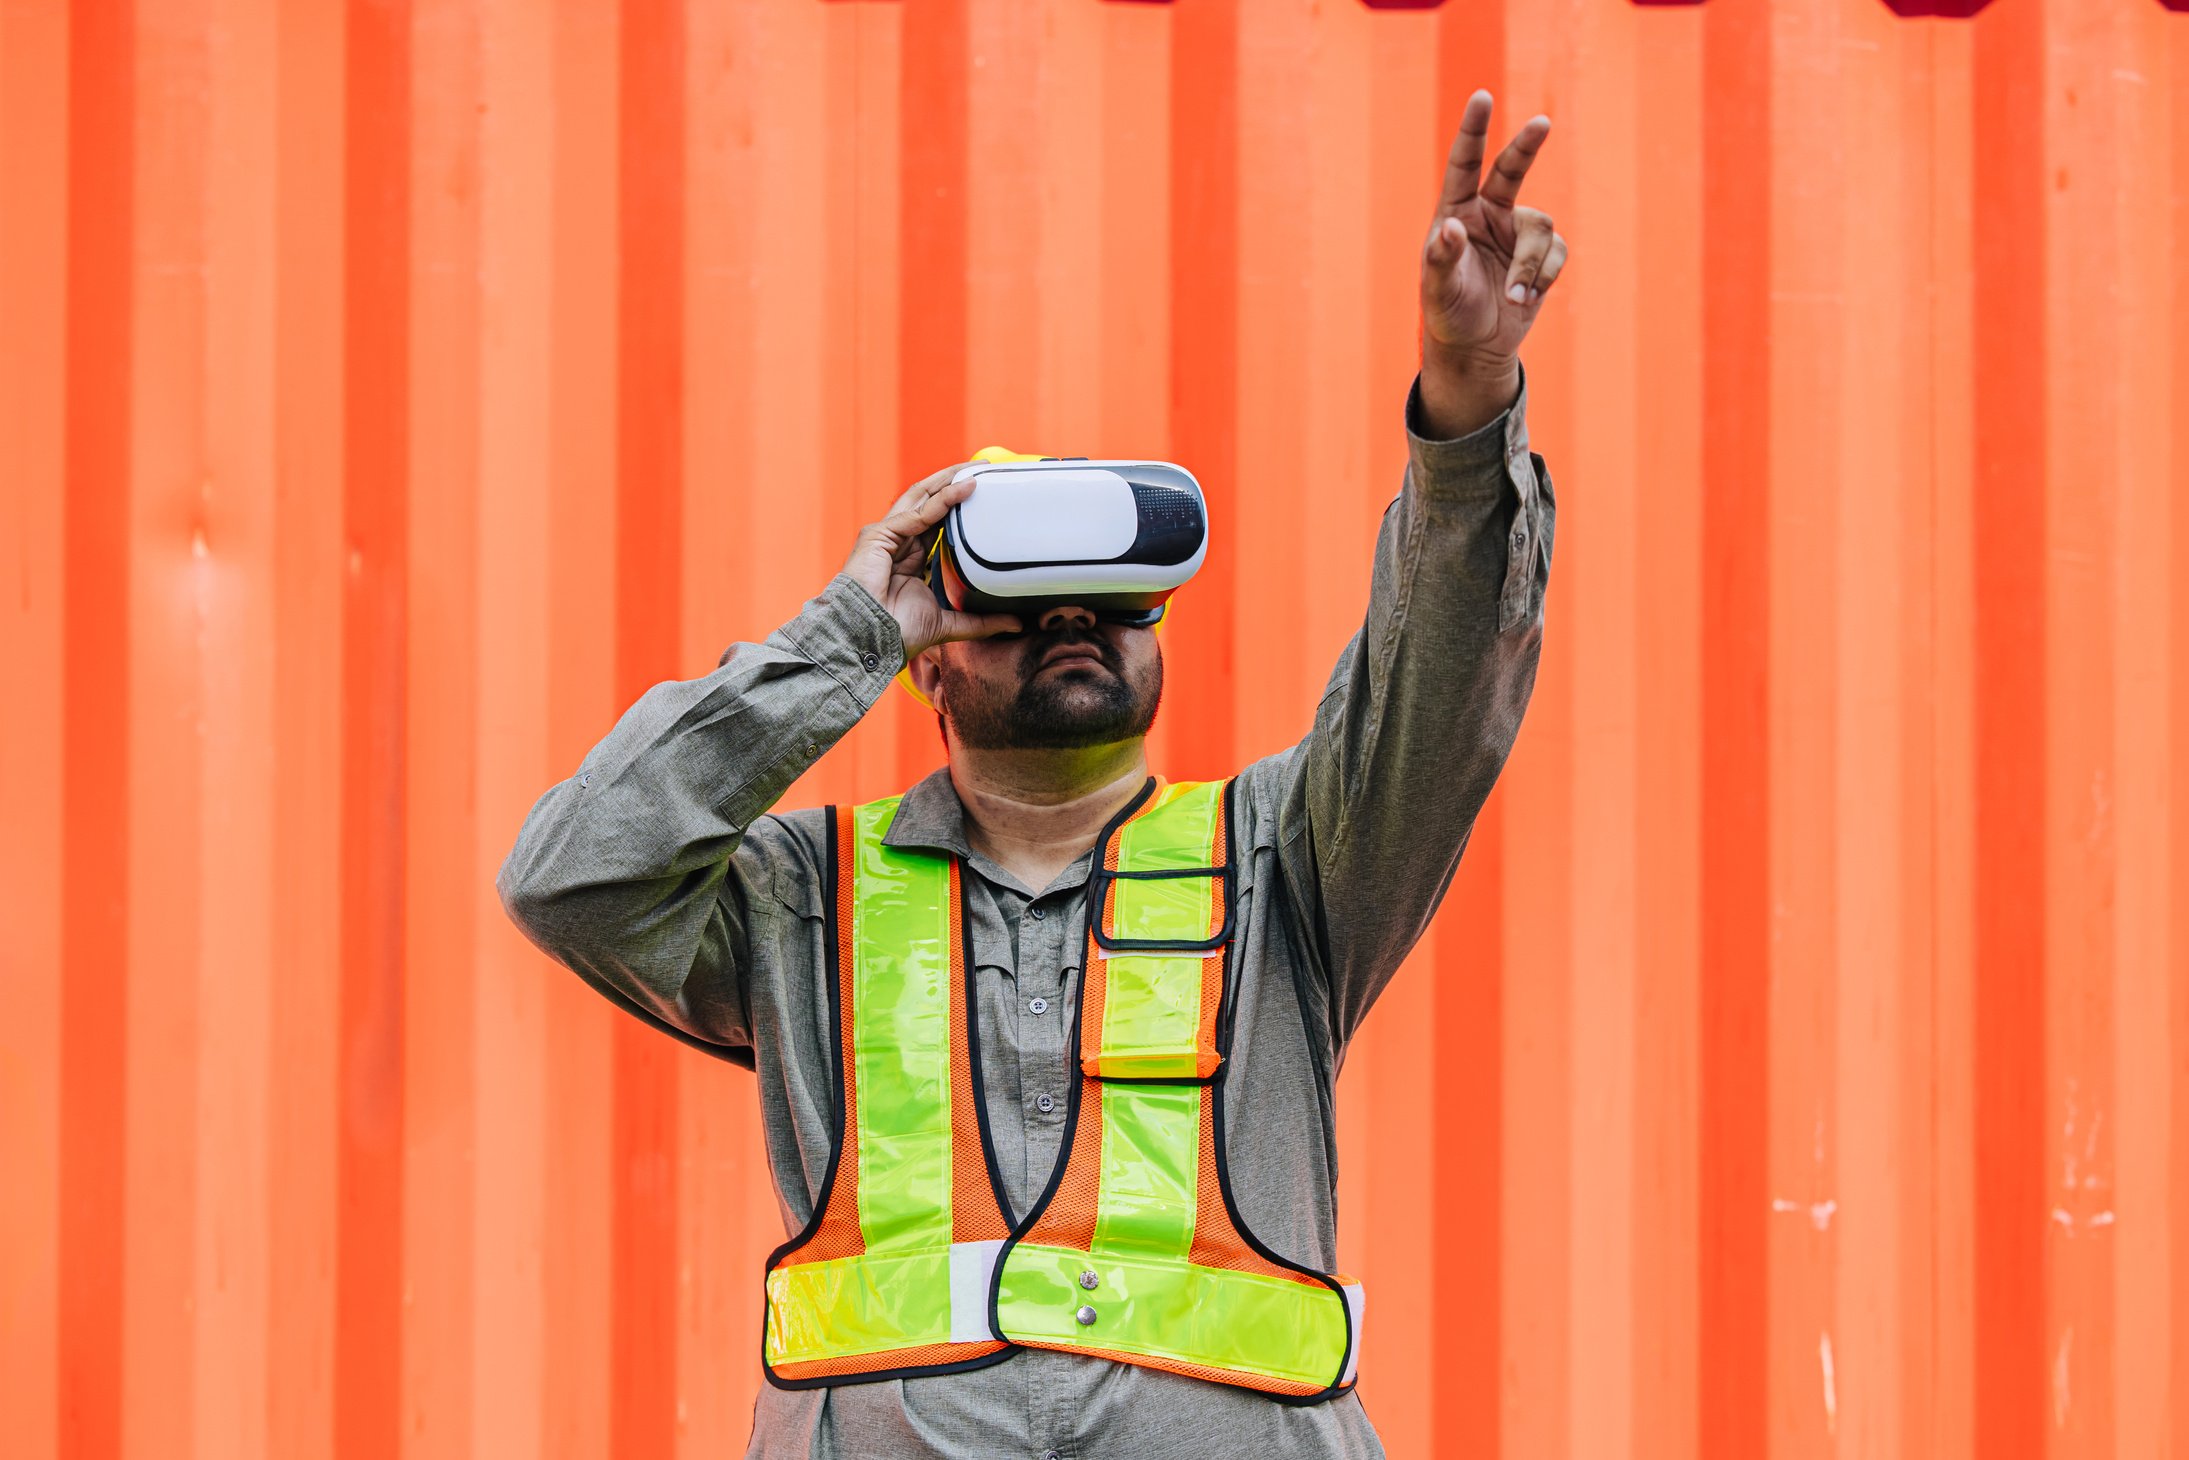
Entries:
{"x":975,"y":1216}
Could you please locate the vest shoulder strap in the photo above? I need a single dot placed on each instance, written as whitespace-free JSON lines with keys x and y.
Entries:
{"x":890,"y":1277}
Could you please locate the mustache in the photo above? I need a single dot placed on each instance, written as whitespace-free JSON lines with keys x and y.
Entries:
{"x":1039,"y":642}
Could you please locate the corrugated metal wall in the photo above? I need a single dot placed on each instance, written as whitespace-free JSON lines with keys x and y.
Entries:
{"x":1801,"y":1063}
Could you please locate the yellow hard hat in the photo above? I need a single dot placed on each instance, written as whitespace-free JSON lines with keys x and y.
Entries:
{"x":995,"y":454}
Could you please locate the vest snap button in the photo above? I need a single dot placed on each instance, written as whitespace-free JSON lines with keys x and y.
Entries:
{"x":1089,"y":1281}
{"x":1086,"y":1317}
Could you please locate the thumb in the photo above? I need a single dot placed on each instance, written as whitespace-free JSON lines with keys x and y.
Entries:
{"x":1447,"y":241}
{"x":957,"y":625}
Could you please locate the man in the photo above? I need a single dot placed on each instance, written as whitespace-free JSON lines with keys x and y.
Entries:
{"x":659,"y":874}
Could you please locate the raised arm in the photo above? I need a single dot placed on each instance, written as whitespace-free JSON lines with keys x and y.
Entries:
{"x":1375,"y":805}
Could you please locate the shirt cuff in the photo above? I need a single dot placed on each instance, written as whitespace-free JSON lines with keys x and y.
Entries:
{"x":1476,"y":463}
{"x":845,"y":631}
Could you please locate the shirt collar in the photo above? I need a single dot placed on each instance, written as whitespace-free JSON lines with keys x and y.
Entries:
{"x":930,"y":818}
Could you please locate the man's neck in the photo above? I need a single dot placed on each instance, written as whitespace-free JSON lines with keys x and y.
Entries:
{"x":1034,"y":812}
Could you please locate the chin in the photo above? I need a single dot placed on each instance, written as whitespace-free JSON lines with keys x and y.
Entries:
{"x":1078,"y":722}
{"x":1077,"y":707}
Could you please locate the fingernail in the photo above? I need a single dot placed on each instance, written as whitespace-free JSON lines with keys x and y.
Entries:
{"x":1518,"y":293}
{"x":1534,"y":295}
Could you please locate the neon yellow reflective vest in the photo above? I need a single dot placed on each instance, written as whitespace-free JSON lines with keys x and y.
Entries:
{"x":1135,"y":1250}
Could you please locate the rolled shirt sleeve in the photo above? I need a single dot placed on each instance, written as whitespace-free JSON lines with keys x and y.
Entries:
{"x":633,"y":871}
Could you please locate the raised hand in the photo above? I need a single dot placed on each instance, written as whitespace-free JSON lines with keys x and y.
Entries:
{"x":1484,"y":270}
{"x":889,"y":560}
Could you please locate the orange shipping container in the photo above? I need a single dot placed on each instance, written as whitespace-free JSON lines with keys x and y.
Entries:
{"x":389,"y":393}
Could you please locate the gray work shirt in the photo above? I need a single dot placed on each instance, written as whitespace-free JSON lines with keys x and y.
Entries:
{"x":660,"y":875}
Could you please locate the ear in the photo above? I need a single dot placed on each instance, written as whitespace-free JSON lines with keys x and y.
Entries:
{"x":926,"y":672}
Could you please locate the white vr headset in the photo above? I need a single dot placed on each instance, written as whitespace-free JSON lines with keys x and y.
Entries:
{"x":1117,"y":537}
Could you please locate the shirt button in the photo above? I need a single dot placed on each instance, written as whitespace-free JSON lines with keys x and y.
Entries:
{"x":1051,"y":1455}
{"x":1039,"y":1006}
{"x":1044,"y":1104}
{"x":1038,"y":913}
{"x":1520,"y":535}
{"x":871,"y":661}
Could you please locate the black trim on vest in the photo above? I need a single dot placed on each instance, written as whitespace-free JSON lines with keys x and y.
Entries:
{"x":1227,"y":1008}
{"x":1225,"y":1018}
{"x":918,"y":1371}
{"x":1267,"y":1254}
{"x":830,"y":959}
{"x":1098,"y":902}
{"x":831,"y":952}
{"x":972,"y":1048}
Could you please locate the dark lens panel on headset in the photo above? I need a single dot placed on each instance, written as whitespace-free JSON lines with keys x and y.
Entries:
{"x":1130,"y":618}
{"x":1133,"y":618}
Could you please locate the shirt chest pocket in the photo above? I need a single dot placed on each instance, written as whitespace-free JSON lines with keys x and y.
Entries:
{"x":797,"y":892}
{"x":789,"y":975}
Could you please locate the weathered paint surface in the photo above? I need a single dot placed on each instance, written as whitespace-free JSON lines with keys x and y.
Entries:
{"x":388,"y":394}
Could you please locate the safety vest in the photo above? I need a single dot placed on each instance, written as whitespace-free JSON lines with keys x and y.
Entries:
{"x":1135,"y":1250}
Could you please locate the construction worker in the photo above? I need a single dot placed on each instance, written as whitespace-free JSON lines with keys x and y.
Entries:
{"x":1047,"y":1045}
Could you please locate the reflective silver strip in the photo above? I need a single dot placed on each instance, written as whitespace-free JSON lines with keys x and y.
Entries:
{"x":972,"y":1272}
{"x":1356,"y":1304}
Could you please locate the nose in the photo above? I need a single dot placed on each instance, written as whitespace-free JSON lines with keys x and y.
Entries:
{"x":1065,"y":613}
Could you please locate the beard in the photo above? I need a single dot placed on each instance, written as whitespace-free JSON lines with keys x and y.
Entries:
{"x":1071,"y":709}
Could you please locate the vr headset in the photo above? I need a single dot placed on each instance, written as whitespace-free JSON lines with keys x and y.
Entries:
{"x":1117,"y":537}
